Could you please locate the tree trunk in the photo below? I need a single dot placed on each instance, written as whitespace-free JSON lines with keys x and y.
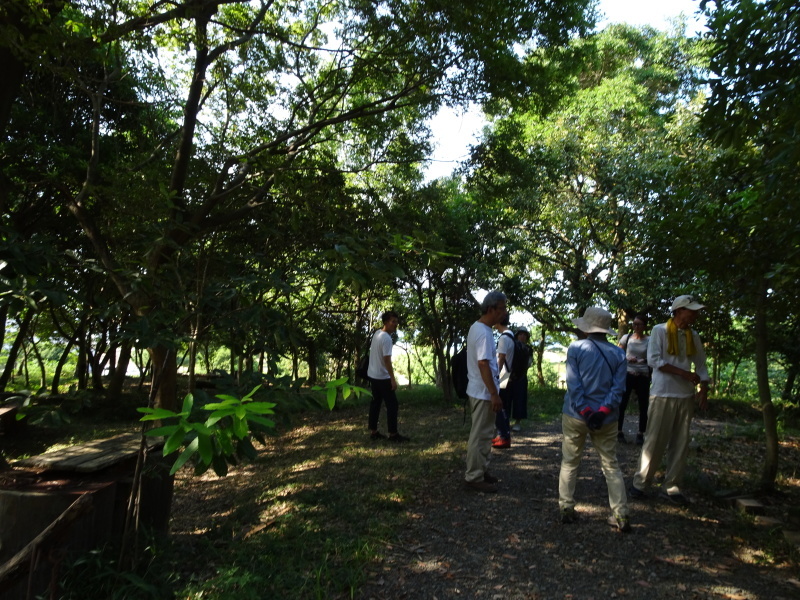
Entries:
{"x":40,"y":361}
{"x":539,"y":358}
{"x":165,"y":377}
{"x":770,"y":471}
{"x":117,"y":382}
{"x":312,"y":362}
{"x":14,"y":350}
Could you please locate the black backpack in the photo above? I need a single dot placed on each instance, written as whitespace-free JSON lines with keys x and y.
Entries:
{"x":522,"y":356}
{"x":362,"y":368}
{"x":459,"y":373}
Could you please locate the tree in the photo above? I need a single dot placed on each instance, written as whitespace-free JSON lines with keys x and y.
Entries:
{"x":753,"y":112}
{"x":256,"y":98}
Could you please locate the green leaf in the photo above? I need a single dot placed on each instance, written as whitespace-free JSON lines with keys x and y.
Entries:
{"x":331,"y":398}
{"x":205,"y":448}
{"x":156,"y":414}
{"x":185,"y":455}
{"x":165,"y":431}
{"x":262,"y":421}
{"x":188,"y":403}
{"x":264,"y":408}
{"x":174,"y":441}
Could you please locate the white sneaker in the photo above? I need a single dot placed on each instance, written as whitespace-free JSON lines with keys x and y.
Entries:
{"x":516,"y":428}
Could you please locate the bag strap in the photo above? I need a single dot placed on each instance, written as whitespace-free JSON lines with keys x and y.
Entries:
{"x":603,"y":354}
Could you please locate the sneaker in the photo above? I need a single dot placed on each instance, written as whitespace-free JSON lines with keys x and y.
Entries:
{"x":636,"y":493}
{"x":377,"y":435}
{"x":621,"y":438}
{"x":622,"y":524}
{"x":481,"y":486}
{"x":639,"y":439}
{"x":516,"y":427}
{"x":677,"y":499}
{"x":501,"y":443}
{"x":568,"y":515}
{"x":399,"y":438}
{"x":490,"y":478}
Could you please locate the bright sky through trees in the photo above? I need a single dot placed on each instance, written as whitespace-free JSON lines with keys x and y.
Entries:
{"x":454,"y":131}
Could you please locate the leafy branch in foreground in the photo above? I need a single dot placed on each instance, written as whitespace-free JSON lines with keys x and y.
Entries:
{"x":219,"y":433}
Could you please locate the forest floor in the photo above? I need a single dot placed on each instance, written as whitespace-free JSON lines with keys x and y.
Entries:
{"x":325,"y":512}
{"x":453,"y":543}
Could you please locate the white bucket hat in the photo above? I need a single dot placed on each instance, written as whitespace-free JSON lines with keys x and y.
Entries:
{"x":595,"y":320}
{"x":686,"y":301}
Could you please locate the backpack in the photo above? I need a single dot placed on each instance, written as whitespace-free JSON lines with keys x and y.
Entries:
{"x":521,"y":360}
{"x":362,"y":368}
{"x":458,"y":372}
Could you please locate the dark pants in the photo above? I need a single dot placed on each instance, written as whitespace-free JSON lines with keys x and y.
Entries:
{"x":641,"y":385}
{"x":382,"y":392}
{"x":519,"y":409}
{"x":501,"y":419}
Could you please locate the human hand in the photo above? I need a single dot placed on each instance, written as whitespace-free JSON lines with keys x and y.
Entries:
{"x":597,"y":418}
{"x":497,"y":403}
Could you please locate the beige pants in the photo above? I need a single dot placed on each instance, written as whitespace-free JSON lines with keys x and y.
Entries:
{"x":479,"y":447}
{"x":668,"y":421}
{"x":604,"y":441}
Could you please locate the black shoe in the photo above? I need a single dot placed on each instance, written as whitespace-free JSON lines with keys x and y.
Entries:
{"x":568,"y":515}
{"x":377,"y":435}
{"x":490,"y":478}
{"x":639,"y":439}
{"x":676,"y":499}
{"x":622,"y":524}
{"x":621,"y":438}
{"x":399,"y":438}
{"x":636,"y":493}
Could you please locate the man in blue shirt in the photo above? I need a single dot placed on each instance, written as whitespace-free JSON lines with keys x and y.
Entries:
{"x":595,"y":383}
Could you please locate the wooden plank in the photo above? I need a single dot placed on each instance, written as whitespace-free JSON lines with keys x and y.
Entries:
{"x":89,"y":457}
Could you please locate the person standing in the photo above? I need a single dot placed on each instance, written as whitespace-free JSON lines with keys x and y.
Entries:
{"x":637,"y":378}
{"x":382,"y":381}
{"x":505,"y":358}
{"x":673,"y":350}
{"x":519,"y":410}
{"x":595,"y":382}
{"x":483,"y":392}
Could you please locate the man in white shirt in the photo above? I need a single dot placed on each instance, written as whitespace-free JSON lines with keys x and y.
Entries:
{"x":672,"y":351}
{"x":382,"y":381}
{"x":483,"y":391}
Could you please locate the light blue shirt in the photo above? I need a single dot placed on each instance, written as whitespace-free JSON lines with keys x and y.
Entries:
{"x":591,"y":381}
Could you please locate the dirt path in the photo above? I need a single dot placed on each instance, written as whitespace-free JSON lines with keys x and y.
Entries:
{"x":510,"y":545}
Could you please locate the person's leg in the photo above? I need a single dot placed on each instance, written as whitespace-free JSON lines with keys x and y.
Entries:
{"x":626,"y":396}
{"x":679,"y":445}
{"x":520,"y":408}
{"x":479,"y":446}
{"x":501,"y":420}
{"x":572,"y":444}
{"x":605,"y":442}
{"x":642,"y":388}
{"x":659,"y":430}
{"x":390,"y":397}
{"x":375,"y":403}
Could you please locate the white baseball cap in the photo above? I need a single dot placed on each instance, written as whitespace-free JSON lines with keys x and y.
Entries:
{"x":686,"y":301}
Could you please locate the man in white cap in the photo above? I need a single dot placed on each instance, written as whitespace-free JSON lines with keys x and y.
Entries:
{"x":596,"y":372}
{"x":672,"y":351}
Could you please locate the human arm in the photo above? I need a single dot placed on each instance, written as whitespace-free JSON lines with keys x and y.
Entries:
{"x":387,"y":361}
{"x":491,"y":385}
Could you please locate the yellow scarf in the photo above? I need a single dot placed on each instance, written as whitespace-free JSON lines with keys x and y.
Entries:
{"x":672,"y":340}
